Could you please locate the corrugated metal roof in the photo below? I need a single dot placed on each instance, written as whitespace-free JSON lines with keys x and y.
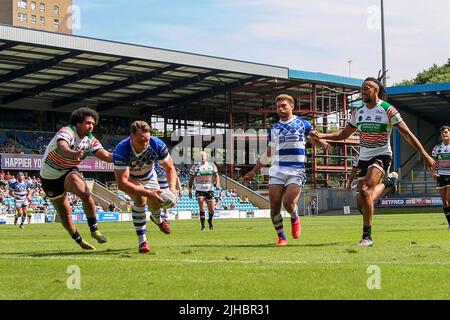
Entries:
{"x":60,"y":72}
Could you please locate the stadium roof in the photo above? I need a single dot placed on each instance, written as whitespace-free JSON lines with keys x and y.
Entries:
{"x":430,"y":102}
{"x":53,"y":71}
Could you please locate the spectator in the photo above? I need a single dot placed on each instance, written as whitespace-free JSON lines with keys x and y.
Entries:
{"x":246,"y":200}
{"x":218,"y":206}
{"x":98,"y":208}
{"x":112,"y":207}
{"x":313,"y":205}
{"x":232,"y":206}
{"x":3,"y":182}
{"x":8,"y":176}
{"x":34,"y":183}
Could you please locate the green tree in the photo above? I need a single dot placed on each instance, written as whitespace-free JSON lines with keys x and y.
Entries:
{"x":434,"y":74}
{"x":157,"y":133}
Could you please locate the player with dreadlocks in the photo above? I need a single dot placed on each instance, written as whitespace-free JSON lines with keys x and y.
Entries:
{"x":374,"y":121}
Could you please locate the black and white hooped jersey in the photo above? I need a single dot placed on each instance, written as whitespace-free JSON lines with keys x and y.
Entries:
{"x":203,"y":175}
{"x":442,"y":153}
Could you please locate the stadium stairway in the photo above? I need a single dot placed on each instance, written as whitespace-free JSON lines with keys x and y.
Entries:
{"x":414,"y":180}
{"x":418,"y":182}
{"x":242,"y":191}
{"x":104,"y":196}
{"x":99,"y":200}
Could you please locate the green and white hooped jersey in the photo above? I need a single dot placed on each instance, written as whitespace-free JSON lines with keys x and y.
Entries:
{"x":442,"y":153}
{"x":203,"y":176}
{"x":375,"y":128}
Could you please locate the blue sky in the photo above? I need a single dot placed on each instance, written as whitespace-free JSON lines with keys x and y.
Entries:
{"x":321,"y":35}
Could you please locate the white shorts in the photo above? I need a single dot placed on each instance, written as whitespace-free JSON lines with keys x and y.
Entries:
{"x":22,"y":203}
{"x":163,"y":184}
{"x":287,"y":179}
{"x":151,"y":184}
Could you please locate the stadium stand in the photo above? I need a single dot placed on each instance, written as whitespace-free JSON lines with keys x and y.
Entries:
{"x":189,"y":90}
{"x":187,"y":204}
{"x":418,"y":182}
{"x":104,"y":196}
{"x":35,"y":142}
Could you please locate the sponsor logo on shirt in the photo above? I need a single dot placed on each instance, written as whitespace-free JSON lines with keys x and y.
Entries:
{"x":291,"y":138}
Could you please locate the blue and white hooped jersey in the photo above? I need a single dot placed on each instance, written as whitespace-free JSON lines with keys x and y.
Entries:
{"x":141,"y":165}
{"x":20,"y":189}
{"x":162,"y":176}
{"x":288,"y":142}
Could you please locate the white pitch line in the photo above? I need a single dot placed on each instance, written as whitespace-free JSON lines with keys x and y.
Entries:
{"x":195,"y":261}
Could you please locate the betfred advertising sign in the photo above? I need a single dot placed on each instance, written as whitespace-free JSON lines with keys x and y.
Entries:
{"x":392,"y":202}
{"x":410,"y":202}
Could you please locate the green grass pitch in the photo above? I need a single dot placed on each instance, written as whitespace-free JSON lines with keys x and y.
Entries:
{"x":236,"y":261}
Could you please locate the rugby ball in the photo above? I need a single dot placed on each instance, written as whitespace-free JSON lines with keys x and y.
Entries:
{"x":169,"y":199}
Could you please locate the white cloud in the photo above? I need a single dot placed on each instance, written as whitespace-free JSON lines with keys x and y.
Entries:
{"x":317,"y":35}
{"x":323,"y":35}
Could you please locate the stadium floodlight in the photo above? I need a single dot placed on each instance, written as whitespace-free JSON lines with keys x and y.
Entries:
{"x":383,"y":45}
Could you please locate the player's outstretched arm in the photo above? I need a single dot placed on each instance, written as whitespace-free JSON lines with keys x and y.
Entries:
{"x":104,"y":155}
{"x":65,"y":151}
{"x":335,"y":136}
{"x":263,"y":161}
{"x":434,"y":173}
{"x":217,"y":180}
{"x":428,"y":161}
{"x":179,"y":187}
{"x":320,"y":143}
{"x":191,"y":183}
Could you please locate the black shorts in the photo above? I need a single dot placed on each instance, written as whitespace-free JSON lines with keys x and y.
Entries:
{"x":381,"y":162}
{"x":208,"y":195}
{"x":443,"y":181}
{"x":54,"y":188}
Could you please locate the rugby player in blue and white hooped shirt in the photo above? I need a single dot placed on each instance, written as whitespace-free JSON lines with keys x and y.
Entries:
{"x":287,"y":144}
{"x":134,"y":160}
{"x":20,"y":191}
